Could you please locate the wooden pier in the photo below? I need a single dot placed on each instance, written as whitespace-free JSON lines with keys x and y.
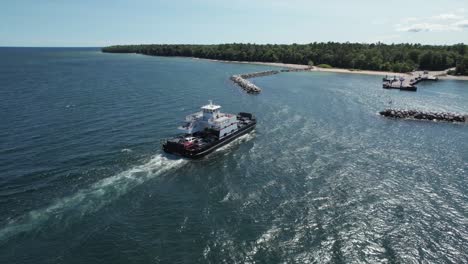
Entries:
{"x":407,"y":82}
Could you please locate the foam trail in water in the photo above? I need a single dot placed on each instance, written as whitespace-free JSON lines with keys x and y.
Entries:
{"x":93,"y":198}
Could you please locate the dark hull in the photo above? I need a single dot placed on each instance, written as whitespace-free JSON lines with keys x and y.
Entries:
{"x":196,"y":154}
{"x":403,"y":88}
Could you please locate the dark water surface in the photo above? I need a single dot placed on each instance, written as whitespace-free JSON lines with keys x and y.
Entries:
{"x":322,"y":180}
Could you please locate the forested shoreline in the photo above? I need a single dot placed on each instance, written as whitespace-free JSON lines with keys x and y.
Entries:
{"x":379,"y":56}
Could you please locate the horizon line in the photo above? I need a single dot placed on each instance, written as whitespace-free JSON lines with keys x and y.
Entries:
{"x":252,"y":43}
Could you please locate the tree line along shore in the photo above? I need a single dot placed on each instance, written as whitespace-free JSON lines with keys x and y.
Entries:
{"x":376,"y":57}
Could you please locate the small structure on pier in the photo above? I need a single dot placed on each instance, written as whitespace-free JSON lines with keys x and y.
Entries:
{"x":407,"y":83}
{"x":398,"y":83}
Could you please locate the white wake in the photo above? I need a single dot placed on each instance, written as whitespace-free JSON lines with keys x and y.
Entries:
{"x":91,"y":199}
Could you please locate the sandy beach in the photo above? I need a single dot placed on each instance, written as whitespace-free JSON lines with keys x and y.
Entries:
{"x":442,"y":75}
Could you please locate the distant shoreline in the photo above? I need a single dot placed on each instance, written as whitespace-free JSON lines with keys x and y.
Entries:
{"x":440,"y":74}
{"x":374,"y":59}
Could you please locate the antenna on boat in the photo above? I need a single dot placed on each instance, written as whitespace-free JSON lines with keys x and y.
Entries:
{"x":211,"y":102}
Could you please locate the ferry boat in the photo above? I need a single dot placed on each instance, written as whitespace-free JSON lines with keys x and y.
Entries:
{"x":207,"y":130}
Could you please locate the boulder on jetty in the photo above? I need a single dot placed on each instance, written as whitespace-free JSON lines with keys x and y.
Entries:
{"x":424,"y":115}
{"x":245,"y":84}
{"x":249,"y":87}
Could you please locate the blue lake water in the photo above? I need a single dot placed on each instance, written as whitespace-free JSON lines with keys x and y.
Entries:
{"x":322,"y":179}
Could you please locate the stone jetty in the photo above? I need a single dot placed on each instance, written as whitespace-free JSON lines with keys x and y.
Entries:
{"x":258,"y":74}
{"x":296,"y":69}
{"x":245,"y":84}
{"x":424,"y":115}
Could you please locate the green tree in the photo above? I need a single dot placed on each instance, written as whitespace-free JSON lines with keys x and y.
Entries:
{"x":378,"y":56}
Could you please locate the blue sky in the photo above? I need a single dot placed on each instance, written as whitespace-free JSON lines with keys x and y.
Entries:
{"x":99,"y":23}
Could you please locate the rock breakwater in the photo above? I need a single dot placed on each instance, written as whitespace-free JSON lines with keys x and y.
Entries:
{"x":248,"y":86}
{"x":424,"y":115}
{"x":297,"y":69}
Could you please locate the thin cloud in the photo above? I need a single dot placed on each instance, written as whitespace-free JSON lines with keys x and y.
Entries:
{"x":462,"y":24}
{"x":439,"y":23}
{"x":447,"y":16}
{"x":421,"y":27}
